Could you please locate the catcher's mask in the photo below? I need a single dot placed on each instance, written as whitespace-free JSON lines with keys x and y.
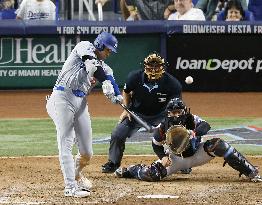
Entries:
{"x":154,"y":66}
{"x":176,"y":107}
{"x":177,"y":139}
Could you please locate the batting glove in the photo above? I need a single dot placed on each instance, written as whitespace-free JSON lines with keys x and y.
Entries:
{"x":108,"y":89}
{"x":119,"y":98}
{"x":116,"y":99}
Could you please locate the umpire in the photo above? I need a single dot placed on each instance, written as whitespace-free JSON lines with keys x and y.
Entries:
{"x":146,"y":93}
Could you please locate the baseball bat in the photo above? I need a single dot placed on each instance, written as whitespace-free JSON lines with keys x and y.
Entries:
{"x":137,"y":118}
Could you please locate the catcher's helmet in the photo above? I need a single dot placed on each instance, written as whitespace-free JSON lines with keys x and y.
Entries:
{"x":106,"y":39}
{"x":154,"y":66}
{"x":175,"y":104}
{"x":176,"y":112}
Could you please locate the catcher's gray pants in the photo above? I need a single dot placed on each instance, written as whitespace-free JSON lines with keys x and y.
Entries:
{"x":124,"y":130}
{"x":71,"y":118}
{"x":180,"y":163}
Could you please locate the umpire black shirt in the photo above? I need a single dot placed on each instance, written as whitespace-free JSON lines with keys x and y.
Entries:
{"x":150,"y":98}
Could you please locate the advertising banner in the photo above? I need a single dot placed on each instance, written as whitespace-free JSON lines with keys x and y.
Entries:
{"x":35,"y":61}
{"x":216,"y":62}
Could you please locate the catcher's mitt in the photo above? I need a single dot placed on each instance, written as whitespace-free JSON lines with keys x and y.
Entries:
{"x":177,"y":138}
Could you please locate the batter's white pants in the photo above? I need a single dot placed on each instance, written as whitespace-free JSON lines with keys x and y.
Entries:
{"x":71,"y":118}
{"x":180,"y":163}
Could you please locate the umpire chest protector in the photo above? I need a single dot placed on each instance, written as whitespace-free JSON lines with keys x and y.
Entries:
{"x":150,"y":97}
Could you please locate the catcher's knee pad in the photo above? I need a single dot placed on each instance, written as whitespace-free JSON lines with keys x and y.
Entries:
{"x":157,"y":171}
{"x":218,"y":147}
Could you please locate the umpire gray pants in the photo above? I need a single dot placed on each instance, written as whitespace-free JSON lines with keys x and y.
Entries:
{"x":124,"y":130}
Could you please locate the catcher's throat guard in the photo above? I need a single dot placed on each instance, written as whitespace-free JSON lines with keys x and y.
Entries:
{"x":177,"y":139}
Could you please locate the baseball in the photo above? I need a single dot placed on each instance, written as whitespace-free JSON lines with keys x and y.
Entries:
{"x":189,"y":80}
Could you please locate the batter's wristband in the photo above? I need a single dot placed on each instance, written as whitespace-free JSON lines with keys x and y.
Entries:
{"x":115,"y":86}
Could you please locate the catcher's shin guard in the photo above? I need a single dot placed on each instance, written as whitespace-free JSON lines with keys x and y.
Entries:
{"x":220,"y":148}
{"x":123,"y":172}
{"x":139,"y":171}
{"x":155,"y":172}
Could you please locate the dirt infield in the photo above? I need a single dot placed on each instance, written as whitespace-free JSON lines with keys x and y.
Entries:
{"x":38,"y":180}
{"x":31,"y":104}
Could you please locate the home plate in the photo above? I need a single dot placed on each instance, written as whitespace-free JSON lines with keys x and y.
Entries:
{"x":158,"y":196}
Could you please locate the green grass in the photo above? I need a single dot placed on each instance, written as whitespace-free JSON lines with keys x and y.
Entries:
{"x":135,"y":148}
{"x":30,"y":137}
{"x":248,"y":149}
{"x":218,"y":123}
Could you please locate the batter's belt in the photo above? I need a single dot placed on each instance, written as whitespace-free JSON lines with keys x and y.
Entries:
{"x":77,"y":93}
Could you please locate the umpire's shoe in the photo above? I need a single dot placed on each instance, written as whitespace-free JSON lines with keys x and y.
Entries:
{"x":109,"y":167}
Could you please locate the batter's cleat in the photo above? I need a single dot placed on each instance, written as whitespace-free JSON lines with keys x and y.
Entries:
{"x":109,"y":167}
{"x":83,"y":183}
{"x":76,"y":192}
{"x":186,"y":171}
{"x":122,"y":172}
{"x":256,"y":178}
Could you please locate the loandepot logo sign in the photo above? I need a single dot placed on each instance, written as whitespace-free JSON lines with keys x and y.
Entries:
{"x":214,"y":64}
{"x":32,"y":52}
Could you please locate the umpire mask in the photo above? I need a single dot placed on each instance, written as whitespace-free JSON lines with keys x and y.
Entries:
{"x":154,"y":66}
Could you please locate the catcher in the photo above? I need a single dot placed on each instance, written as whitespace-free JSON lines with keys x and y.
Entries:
{"x":181,"y":133}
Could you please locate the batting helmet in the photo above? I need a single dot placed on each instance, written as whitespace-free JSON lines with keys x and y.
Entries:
{"x":154,"y":66}
{"x":105,"y":39}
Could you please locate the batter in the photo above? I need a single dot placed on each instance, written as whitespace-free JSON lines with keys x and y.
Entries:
{"x":68,"y":108}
